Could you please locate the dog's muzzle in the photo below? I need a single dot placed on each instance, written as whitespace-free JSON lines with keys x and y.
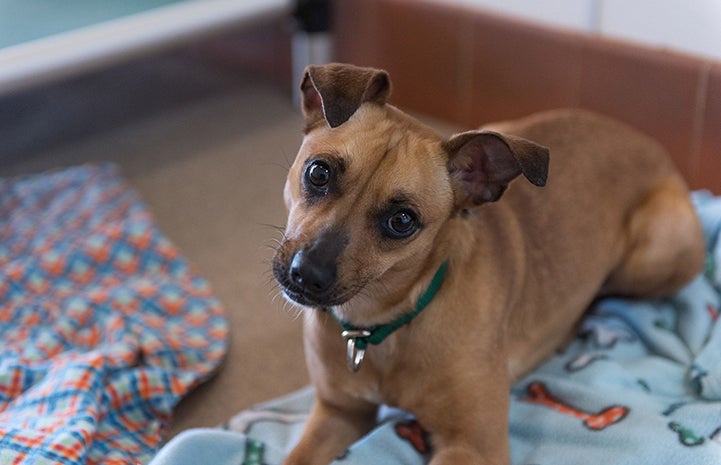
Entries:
{"x":310,"y":276}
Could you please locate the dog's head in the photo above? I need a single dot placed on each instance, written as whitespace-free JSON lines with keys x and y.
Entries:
{"x":371,"y":188}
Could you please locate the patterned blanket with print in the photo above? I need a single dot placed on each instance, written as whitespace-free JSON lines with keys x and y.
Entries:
{"x":640,"y":384}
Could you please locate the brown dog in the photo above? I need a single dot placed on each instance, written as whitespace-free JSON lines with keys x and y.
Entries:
{"x":395,"y":237}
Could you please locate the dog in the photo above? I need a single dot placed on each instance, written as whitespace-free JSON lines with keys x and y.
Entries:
{"x":437,"y":271}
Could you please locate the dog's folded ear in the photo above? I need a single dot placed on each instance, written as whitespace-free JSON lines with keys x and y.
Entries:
{"x":334,"y":92}
{"x":483,"y":163}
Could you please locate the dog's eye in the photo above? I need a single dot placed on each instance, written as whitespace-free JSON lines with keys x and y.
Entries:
{"x":401,"y":224}
{"x":318,"y":174}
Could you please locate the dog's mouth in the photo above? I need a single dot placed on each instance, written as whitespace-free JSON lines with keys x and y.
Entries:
{"x":306,"y":296}
{"x":310,"y":299}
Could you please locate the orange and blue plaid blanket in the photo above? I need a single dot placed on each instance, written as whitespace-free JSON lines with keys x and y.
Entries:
{"x":103,"y":324}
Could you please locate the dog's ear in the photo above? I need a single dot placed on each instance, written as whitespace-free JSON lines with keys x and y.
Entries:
{"x":483,"y":163}
{"x":334,"y":92}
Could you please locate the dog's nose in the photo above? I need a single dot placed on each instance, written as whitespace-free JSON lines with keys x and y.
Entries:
{"x":311,"y":275}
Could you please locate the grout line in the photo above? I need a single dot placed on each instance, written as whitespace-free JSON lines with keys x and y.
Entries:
{"x":466,"y":66}
{"x":595,"y":17}
{"x":584,"y":49}
{"x":699,"y":120}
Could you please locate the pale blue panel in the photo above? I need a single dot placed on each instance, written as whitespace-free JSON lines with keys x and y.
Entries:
{"x":26,"y":20}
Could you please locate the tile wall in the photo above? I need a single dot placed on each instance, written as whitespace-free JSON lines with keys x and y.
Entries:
{"x":462,"y":63}
{"x":681,"y":25}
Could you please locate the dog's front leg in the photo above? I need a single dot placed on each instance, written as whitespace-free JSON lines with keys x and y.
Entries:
{"x":483,"y":441}
{"x":468,"y":421}
{"x":330,"y":430}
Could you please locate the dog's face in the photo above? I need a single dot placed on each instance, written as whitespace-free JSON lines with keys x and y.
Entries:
{"x":364,"y":200}
{"x":369,"y":191}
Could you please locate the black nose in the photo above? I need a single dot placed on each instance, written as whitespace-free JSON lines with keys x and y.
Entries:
{"x":311,"y":275}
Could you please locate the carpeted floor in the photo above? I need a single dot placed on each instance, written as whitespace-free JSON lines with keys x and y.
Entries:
{"x":208,"y":149}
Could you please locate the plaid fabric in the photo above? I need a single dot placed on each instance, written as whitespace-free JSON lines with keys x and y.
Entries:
{"x":103,"y":325}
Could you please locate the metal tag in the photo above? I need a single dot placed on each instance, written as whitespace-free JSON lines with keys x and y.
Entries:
{"x":354,"y":355}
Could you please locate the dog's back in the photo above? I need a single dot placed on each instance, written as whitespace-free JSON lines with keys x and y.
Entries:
{"x":629,"y":230}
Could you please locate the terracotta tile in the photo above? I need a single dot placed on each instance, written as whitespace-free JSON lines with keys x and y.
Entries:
{"x":652,"y":90}
{"x":468,"y":66}
{"x":519,"y":68}
{"x":416,"y":42}
{"x":264,"y":48}
{"x":356,"y":31}
{"x":709,"y":172}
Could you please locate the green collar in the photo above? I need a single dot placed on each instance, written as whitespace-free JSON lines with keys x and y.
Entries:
{"x":359,"y":338}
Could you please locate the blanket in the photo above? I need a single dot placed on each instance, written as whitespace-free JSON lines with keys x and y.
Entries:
{"x":104,"y":326}
{"x":640,"y":384}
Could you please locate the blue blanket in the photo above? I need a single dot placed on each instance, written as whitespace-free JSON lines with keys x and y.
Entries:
{"x":641,"y":384}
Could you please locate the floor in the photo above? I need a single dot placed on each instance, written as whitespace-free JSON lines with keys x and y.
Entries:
{"x":208,"y":150}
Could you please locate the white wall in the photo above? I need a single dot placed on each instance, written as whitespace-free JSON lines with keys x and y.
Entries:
{"x":690,"y":26}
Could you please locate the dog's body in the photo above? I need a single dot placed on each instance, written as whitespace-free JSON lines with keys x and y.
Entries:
{"x":377,"y":202}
